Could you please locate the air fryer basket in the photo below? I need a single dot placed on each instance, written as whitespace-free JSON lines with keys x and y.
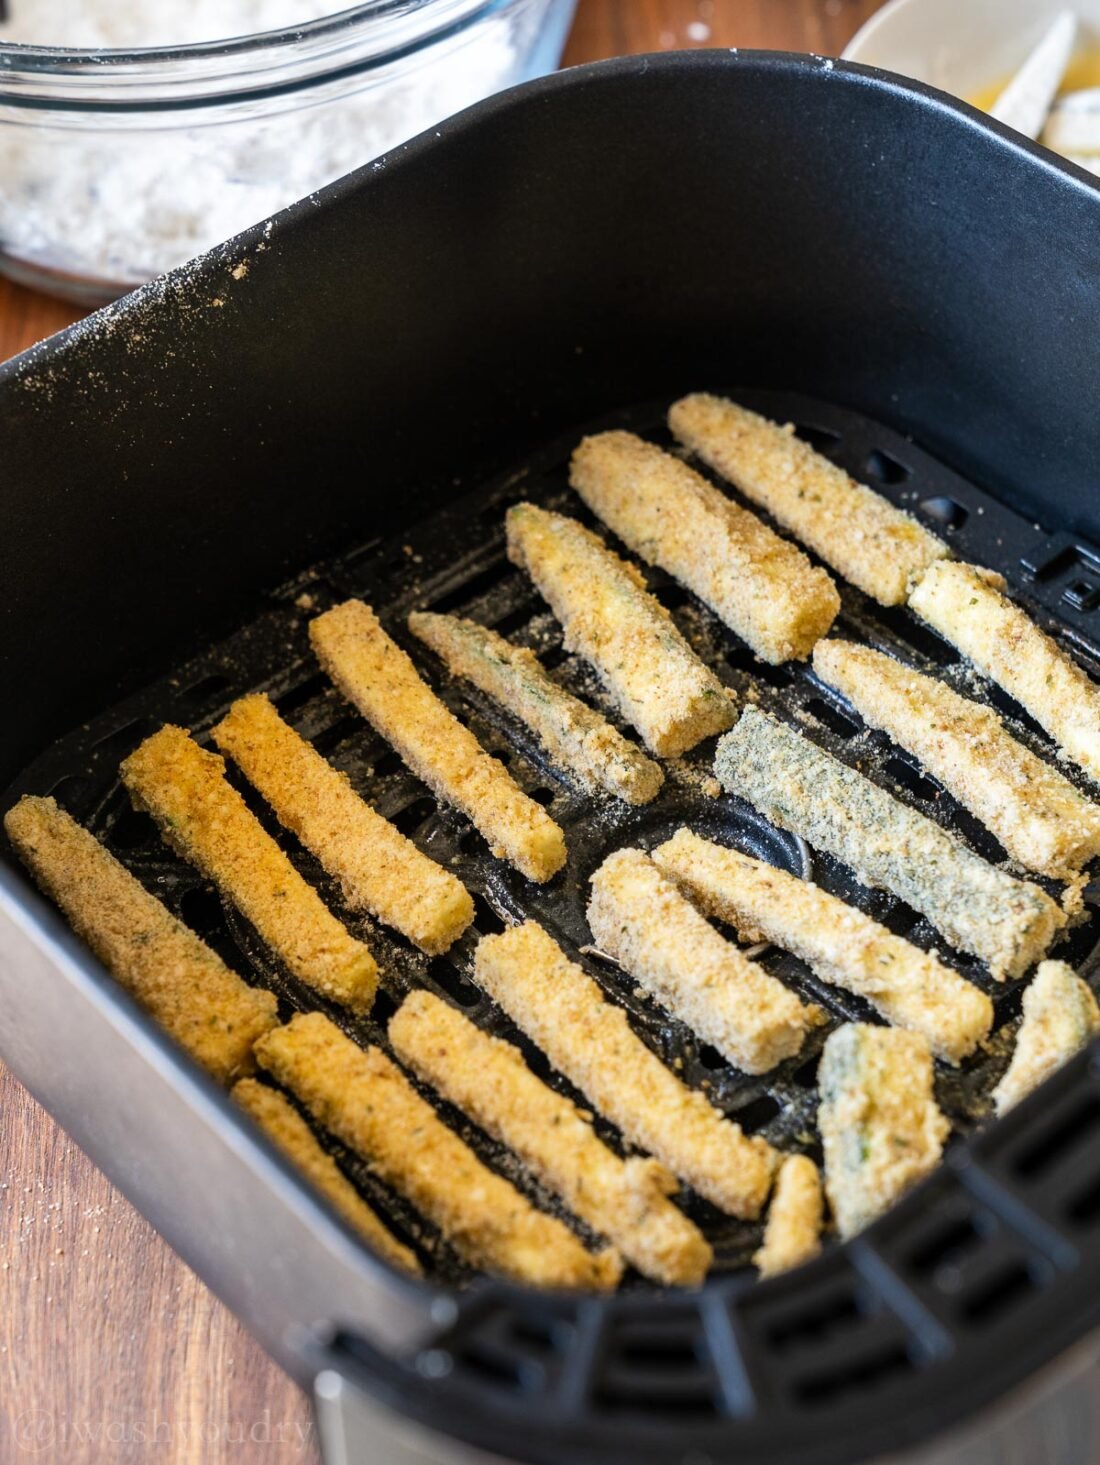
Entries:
{"x":365,"y":385}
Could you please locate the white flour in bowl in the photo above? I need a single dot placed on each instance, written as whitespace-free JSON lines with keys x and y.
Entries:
{"x":127,"y":24}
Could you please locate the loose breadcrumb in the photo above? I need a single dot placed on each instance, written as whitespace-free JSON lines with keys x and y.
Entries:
{"x":857,"y":531}
{"x":590,"y":1041}
{"x":380,"y":680}
{"x":966,"y":605}
{"x":377,"y":868}
{"x":289,"y":1132}
{"x":640,"y":919}
{"x":792,"y":1233}
{"x":1060,"y":1017}
{"x":762,"y":586}
{"x":369,"y":1104}
{"x":624,"y":1200}
{"x":181,"y":983}
{"x":205,"y":820}
{"x":906,"y":985}
{"x":610,"y":618}
{"x":880,"y":1125}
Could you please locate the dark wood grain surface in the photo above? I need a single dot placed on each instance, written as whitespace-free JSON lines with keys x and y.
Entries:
{"x":110,"y":1348}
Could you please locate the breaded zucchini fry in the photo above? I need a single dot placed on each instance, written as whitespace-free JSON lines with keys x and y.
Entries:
{"x":368,"y":1103}
{"x":205,"y":820}
{"x":792,"y":1233}
{"x":575,"y":737}
{"x":591,"y":1042}
{"x":289,"y":1132}
{"x":375,"y":674}
{"x":1039,"y":817}
{"x":763,"y":587}
{"x":377,"y":868}
{"x":966,"y":605}
{"x":979,"y":908}
{"x":638,"y":917}
{"x":180,"y":982}
{"x":609,"y":617}
{"x":1060,"y":1017}
{"x":624,"y":1200}
{"x":880,"y":1125}
{"x":863,"y":536}
{"x":909,"y":987}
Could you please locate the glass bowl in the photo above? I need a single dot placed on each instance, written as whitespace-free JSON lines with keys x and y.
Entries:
{"x":118,"y":165}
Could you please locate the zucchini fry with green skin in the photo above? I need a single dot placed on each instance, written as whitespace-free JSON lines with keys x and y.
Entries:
{"x":859,"y":533}
{"x":377,"y":868}
{"x":1060,"y":1017}
{"x":792,"y":1232}
{"x":624,"y":1200}
{"x":183,"y":985}
{"x":881,"y":1128}
{"x":967,"y":607}
{"x":610,"y":618}
{"x":204,"y":819}
{"x":980,"y":908}
{"x":590,"y":1041}
{"x":377,"y":677}
{"x":369,"y":1104}
{"x":574,"y":736}
{"x":288,"y":1131}
{"x":639,"y":917}
{"x":1041,"y":819}
{"x":763,"y":587}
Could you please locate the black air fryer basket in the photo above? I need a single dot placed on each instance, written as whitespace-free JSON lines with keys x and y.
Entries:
{"x":343,"y":402}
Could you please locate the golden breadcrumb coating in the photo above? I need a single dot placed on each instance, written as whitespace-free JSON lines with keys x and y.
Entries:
{"x":1037,"y":814}
{"x":906,"y":985}
{"x":859,"y":533}
{"x":378,"y":869}
{"x":792,"y":1233}
{"x":369,"y":1104}
{"x":966,"y":605}
{"x":380,"y":680}
{"x":639,"y":917}
{"x":576,"y":738}
{"x":590,"y":1041}
{"x":180,"y":982}
{"x":204,"y":818}
{"x":624,"y":1200}
{"x":980,"y":908}
{"x":880,"y":1125}
{"x":289,"y":1132}
{"x":610,"y":618}
{"x":762,"y":586}
{"x":1060,"y":1017}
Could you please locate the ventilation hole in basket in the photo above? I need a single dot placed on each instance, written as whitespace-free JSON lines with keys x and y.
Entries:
{"x":511,"y":621}
{"x":998,"y":1295}
{"x":385,"y":1005}
{"x":907,"y":628}
{"x":1084,"y":1207}
{"x":345,"y":727}
{"x":70,"y":790}
{"x":771,"y":676}
{"x":471,"y":843}
{"x":816,"y":1321}
{"x":207,"y":687}
{"x":835,"y":721}
{"x":911,"y":778}
{"x":900,"y":919}
{"x":947,"y":513}
{"x":755,"y":1115}
{"x":691,"y":1404}
{"x":543,"y":796}
{"x":539,"y":1335}
{"x":806,"y":1076}
{"x":711,"y":1059}
{"x":1008,"y":707}
{"x":502,"y":755}
{"x":1052,"y":1145}
{"x":132,"y":829}
{"x":202,"y":910}
{"x":486,"y":920}
{"x":885,"y":469}
{"x":672,"y":597}
{"x":828,"y":1385}
{"x":948,"y":1246}
{"x":450,"y":980}
{"x":304,"y":692}
{"x":477,"y":585}
{"x":124,"y":739}
{"x":553,"y":656}
{"x":821,"y":439}
{"x":659,"y":1348}
{"x":497,"y":1366}
{"x":412,"y":816}
{"x":387,"y":763}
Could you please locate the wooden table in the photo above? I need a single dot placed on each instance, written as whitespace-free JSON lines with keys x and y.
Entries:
{"x":110,"y":1347}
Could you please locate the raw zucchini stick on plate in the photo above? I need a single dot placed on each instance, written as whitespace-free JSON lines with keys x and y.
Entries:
{"x":1060,"y":1017}
{"x":205,"y":820}
{"x":289,"y":1132}
{"x":967,"y":607}
{"x":609,"y":617}
{"x":855,"y":530}
{"x":881,"y":1128}
{"x":1008,"y":923}
{"x":638,"y":917}
{"x":574,"y":736}
{"x":624,"y":1200}
{"x":369,"y":1104}
{"x":380,"y":680}
{"x":763,"y":587}
{"x":175,"y":976}
{"x":792,"y":1233}
{"x":377,"y":868}
{"x":590,"y":1041}
{"x":1040,"y":818}
{"x":906,"y":985}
